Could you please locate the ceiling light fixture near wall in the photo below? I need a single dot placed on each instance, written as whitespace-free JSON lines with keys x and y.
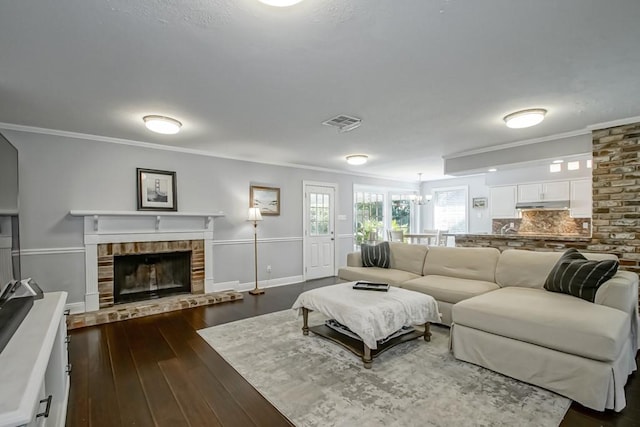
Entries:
{"x":162,"y":124}
{"x":493,"y":170}
{"x":357,"y":159}
{"x":558,"y":161}
{"x":525,"y":118}
{"x":280,"y":3}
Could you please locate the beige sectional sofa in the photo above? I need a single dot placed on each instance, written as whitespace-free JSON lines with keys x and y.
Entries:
{"x":503,"y":319}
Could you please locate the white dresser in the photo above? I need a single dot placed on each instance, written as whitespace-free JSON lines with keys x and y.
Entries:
{"x":34,"y":367}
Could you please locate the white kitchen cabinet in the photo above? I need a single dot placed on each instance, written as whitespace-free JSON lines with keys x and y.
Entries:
{"x":502,"y":202}
{"x":544,"y":191}
{"x":581,"y":199}
{"x":34,"y":367}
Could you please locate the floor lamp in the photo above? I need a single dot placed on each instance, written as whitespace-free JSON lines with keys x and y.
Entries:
{"x":255,"y":216}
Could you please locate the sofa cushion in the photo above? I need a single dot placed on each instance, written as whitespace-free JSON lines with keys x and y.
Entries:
{"x":449,"y":289}
{"x":463,"y":263}
{"x":556,"y":321}
{"x":376,"y":255}
{"x":375,"y":274}
{"x":407,"y":257}
{"x":529,"y":269}
{"x":573,"y":274}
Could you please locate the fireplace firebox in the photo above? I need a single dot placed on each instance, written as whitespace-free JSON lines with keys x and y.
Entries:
{"x":149,"y":276}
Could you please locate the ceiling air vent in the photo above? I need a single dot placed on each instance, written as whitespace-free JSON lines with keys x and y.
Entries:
{"x":344,"y":123}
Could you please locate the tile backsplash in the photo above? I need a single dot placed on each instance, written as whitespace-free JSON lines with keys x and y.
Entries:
{"x":556,"y":222}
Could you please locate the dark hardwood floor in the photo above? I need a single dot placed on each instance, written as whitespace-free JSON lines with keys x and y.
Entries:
{"x":157,"y":371}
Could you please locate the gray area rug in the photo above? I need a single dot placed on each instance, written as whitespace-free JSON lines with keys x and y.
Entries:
{"x":315,"y":382}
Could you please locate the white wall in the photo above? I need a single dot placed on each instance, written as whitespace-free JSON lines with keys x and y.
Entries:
{"x":59,"y":174}
{"x":479,"y":219}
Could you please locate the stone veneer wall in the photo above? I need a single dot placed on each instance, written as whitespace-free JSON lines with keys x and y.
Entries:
{"x":107,"y":251}
{"x":616,"y":194}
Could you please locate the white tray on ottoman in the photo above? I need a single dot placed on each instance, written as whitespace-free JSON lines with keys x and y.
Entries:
{"x":371,"y":315}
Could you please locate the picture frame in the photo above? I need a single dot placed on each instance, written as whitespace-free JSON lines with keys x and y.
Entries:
{"x":265,"y":198}
{"x":156,"y":190}
{"x":479,"y":202}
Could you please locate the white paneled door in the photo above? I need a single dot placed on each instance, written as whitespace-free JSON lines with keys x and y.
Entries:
{"x":319,"y":233}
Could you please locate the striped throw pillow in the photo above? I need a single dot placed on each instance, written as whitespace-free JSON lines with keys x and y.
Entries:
{"x":376,"y":255}
{"x":575,"y":275}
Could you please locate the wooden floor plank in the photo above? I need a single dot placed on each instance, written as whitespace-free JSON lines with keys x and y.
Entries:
{"x":103,"y":401}
{"x":78,"y":406}
{"x":194,"y":406}
{"x":132,"y":402}
{"x":148,"y":348}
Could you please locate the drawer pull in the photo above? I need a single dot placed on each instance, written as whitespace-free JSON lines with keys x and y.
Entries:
{"x":46,"y":410}
{"x":69,"y":369}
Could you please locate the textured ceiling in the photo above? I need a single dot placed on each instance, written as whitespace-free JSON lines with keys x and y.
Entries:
{"x":428,"y":77}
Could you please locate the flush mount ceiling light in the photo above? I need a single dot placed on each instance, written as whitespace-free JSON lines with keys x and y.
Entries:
{"x":525,"y":118}
{"x":280,"y":3}
{"x":357,"y":159}
{"x":161,"y":124}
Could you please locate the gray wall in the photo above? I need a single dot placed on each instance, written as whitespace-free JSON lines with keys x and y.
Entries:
{"x":59,"y":174}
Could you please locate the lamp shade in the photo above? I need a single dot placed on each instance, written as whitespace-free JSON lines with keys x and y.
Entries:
{"x":254,"y":214}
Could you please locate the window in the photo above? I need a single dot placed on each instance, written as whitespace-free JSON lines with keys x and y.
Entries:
{"x":401,"y":212}
{"x":378,"y":210}
{"x":450,"y":209}
{"x":368,"y":215}
{"x":319,"y":214}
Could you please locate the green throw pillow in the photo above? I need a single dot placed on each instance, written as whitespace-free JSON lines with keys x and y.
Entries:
{"x":376,"y":255}
{"x":575,"y":275}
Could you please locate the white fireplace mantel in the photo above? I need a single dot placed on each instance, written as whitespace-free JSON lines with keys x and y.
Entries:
{"x":142,"y":226}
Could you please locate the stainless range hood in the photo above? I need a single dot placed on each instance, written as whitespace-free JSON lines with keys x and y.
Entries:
{"x":556,"y":205}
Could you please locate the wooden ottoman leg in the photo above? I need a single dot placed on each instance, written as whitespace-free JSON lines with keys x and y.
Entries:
{"x":305,"y":320}
{"x":366,"y":357}
{"x":427,"y":331}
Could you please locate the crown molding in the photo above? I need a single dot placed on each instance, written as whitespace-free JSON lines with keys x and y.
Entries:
{"x":614,"y":123}
{"x":153,"y":146}
{"x":588,"y":129}
{"x":518,"y":144}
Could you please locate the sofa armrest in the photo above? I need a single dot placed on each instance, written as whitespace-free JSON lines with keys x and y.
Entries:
{"x":621,"y":291}
{"x":354,"y":259}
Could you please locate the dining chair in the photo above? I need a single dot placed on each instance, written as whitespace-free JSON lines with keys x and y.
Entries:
{"x":434,"y":237}
{"x":396,"y":236}
{"x":442,"y":237}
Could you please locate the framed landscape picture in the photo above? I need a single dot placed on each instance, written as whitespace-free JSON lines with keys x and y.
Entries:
{"x":156,"y":190}
{"x":479,"y":202}
{"x":265,"y":198}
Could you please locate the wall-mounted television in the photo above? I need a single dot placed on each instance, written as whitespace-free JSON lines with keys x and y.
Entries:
{"x":12,"y":311}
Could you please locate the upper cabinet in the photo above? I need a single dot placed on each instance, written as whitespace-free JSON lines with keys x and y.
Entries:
{"x":581,"y":204}
{"x":545,"y":191}
{"x":502,"y":201}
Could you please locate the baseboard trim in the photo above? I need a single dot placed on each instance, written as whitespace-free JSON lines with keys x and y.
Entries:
{"x":272,"y":283}
{"x":75,"y":307}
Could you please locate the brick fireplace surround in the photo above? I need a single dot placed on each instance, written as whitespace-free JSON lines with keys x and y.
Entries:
{"x":108,"y":234}
{"x":107,"y":251}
